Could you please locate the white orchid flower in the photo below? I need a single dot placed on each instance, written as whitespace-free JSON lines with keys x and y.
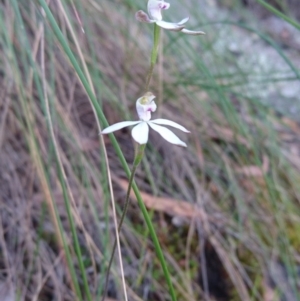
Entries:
{"x":145,"y":105}
{"x":154,"y":16}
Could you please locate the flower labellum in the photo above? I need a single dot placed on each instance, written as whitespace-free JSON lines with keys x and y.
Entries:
{"x":145,"y":105}
{"x":154,"y":16}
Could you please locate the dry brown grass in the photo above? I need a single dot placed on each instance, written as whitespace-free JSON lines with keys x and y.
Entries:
{"x":235,"y":196}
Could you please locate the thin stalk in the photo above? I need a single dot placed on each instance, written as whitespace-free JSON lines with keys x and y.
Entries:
{"x":154,"y":53}
{"x":138,"y":158}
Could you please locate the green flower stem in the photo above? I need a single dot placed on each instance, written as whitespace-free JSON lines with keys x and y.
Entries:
{"x":138,"y":158}
{"x":60,"y":37}
{"x":156,"y":44}
{"x":154,"y":53}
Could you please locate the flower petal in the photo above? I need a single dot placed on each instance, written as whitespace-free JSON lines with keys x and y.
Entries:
{"x":183,"y":21}
{"x":140,"y":133}
{"x":118,"y":126}
{"x":193,"y":33}
{"x":170,"y":123}
{"x":170,"y":26}
{"x":141,"y":16}
{"x":166,"y":134}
